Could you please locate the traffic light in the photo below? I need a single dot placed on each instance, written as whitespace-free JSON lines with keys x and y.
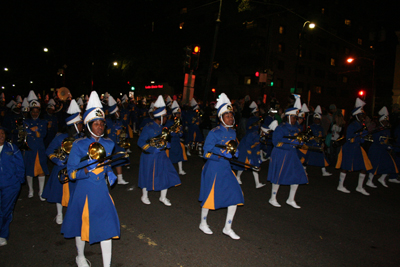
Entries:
{"x":133,"y":88}
{"x":257,"y":74}
{"x":195,"y":57}
{"x":188,"y":56}
{"x":213,"y":90}
{"x":362,"y":94}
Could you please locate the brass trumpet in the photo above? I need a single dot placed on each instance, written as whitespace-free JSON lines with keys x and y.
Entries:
{"x":66,"y":146}
{"x":160,"y":140}
{"x":123,"y":139}
{"x":97,"y":152}
{"x":302,"y":137}
{"x":176,"y":127}
{"x":231,"y":147}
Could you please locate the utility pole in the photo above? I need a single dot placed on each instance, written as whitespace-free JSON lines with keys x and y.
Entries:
{"x":210,"y":67}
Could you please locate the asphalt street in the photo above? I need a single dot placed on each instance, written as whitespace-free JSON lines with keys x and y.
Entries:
{"x":331,"y":228}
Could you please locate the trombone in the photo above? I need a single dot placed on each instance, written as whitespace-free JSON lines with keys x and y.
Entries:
{"x":97,"y":152}
{"x":231,"y":147}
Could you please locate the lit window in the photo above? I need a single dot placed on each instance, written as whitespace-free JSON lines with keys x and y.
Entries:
{"x":359,"y":41}
{"x":318,"y":89}
{"x":281,"y":30}
{"x":281,"y":47}
{"x":347,"y":22}
{"x":322,"y":10}
{"x":247,"y":80}
{"x":333,"y":62}
{"x":344,"y":79}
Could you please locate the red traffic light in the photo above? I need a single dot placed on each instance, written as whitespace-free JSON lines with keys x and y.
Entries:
{"x":361,"y":93}
{"x":213,"y":90}
{"x":196,"y":49}
{"x":257,"y":74}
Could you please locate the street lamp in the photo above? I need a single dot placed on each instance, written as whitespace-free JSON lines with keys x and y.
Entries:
{"x":351,"y":60}
{"x":310,"y":26}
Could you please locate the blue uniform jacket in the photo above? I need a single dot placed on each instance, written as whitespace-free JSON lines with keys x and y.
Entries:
{"x":12,"y":168}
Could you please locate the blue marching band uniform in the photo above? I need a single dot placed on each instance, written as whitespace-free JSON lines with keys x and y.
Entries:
{"x":177,"y":152}
{"x":12,"y":175}
{"x":156,"y":172}
{"x":219,"y":186}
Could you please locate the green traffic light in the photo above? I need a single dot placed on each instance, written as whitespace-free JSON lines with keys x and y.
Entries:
{"x":133,"y":88}
{"x":272,"y":84}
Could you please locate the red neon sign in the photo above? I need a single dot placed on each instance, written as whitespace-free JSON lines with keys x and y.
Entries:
{"x":158,"y":86}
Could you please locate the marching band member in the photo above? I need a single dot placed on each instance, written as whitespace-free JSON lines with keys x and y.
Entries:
{"x":126,"y":112}
{"x":52,"y":122}
{"x":285,"y":167}
{"x":249,"y":148}
{"x":54,"y":191}
{"x":12,"y":175}
{"x":35,"y":159}
{"x":352,"y":157}
{"x":219,"y":186}
{"x":315,"y":158}
{"x":192,"y":122}
{"x":156,"y":172}
{"x":379,"y":152}
{"x":114,"y":129}
{"x":177,"y":152}
{"x":252,"y":124}
{"x":91,"y":215}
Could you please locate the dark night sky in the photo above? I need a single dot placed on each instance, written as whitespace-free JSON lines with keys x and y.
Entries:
{"x":80,"y":32}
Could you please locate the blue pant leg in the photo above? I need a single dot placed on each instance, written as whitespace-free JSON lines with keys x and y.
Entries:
{"x":8,"y":197}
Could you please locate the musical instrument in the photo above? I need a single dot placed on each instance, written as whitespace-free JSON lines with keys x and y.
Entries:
{"x":302,"y":137}
{"x":97,"y":152}
{"x":66,"y":146}
{"x":176,"y":127}
{"x":231,"y":147}
{"x":160,"y":140}
{"x":22,"y":134}
{"x":63,"y":93}
{"x":123,"y":139}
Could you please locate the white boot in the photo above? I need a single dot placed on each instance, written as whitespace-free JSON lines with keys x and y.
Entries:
{"x":257,"y":180}
{"x":29,"y":181}
{"x":41,"y":186}
{"x":188,"y":150}
{"x":181,"y":171}
{"x":80,"y":247}
{"x":360,"y":187}
{"x":263,"y":155}
{"x":369,"y":182}
{"x":274,"y":192}
{"x":121,"y":179}
{"x":382,"y":180}
{"x":290,"y":201}
{"x":325,"y":173}
{"x":228,"y":223}
{"x":163,"y":197}
{"x":145,"y":199}
{"x":239,"y":173}
{"x":340,"y":187}
{"x":106,"y":252}
{"x":59,"y":217}
{"x":203,"y":223}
